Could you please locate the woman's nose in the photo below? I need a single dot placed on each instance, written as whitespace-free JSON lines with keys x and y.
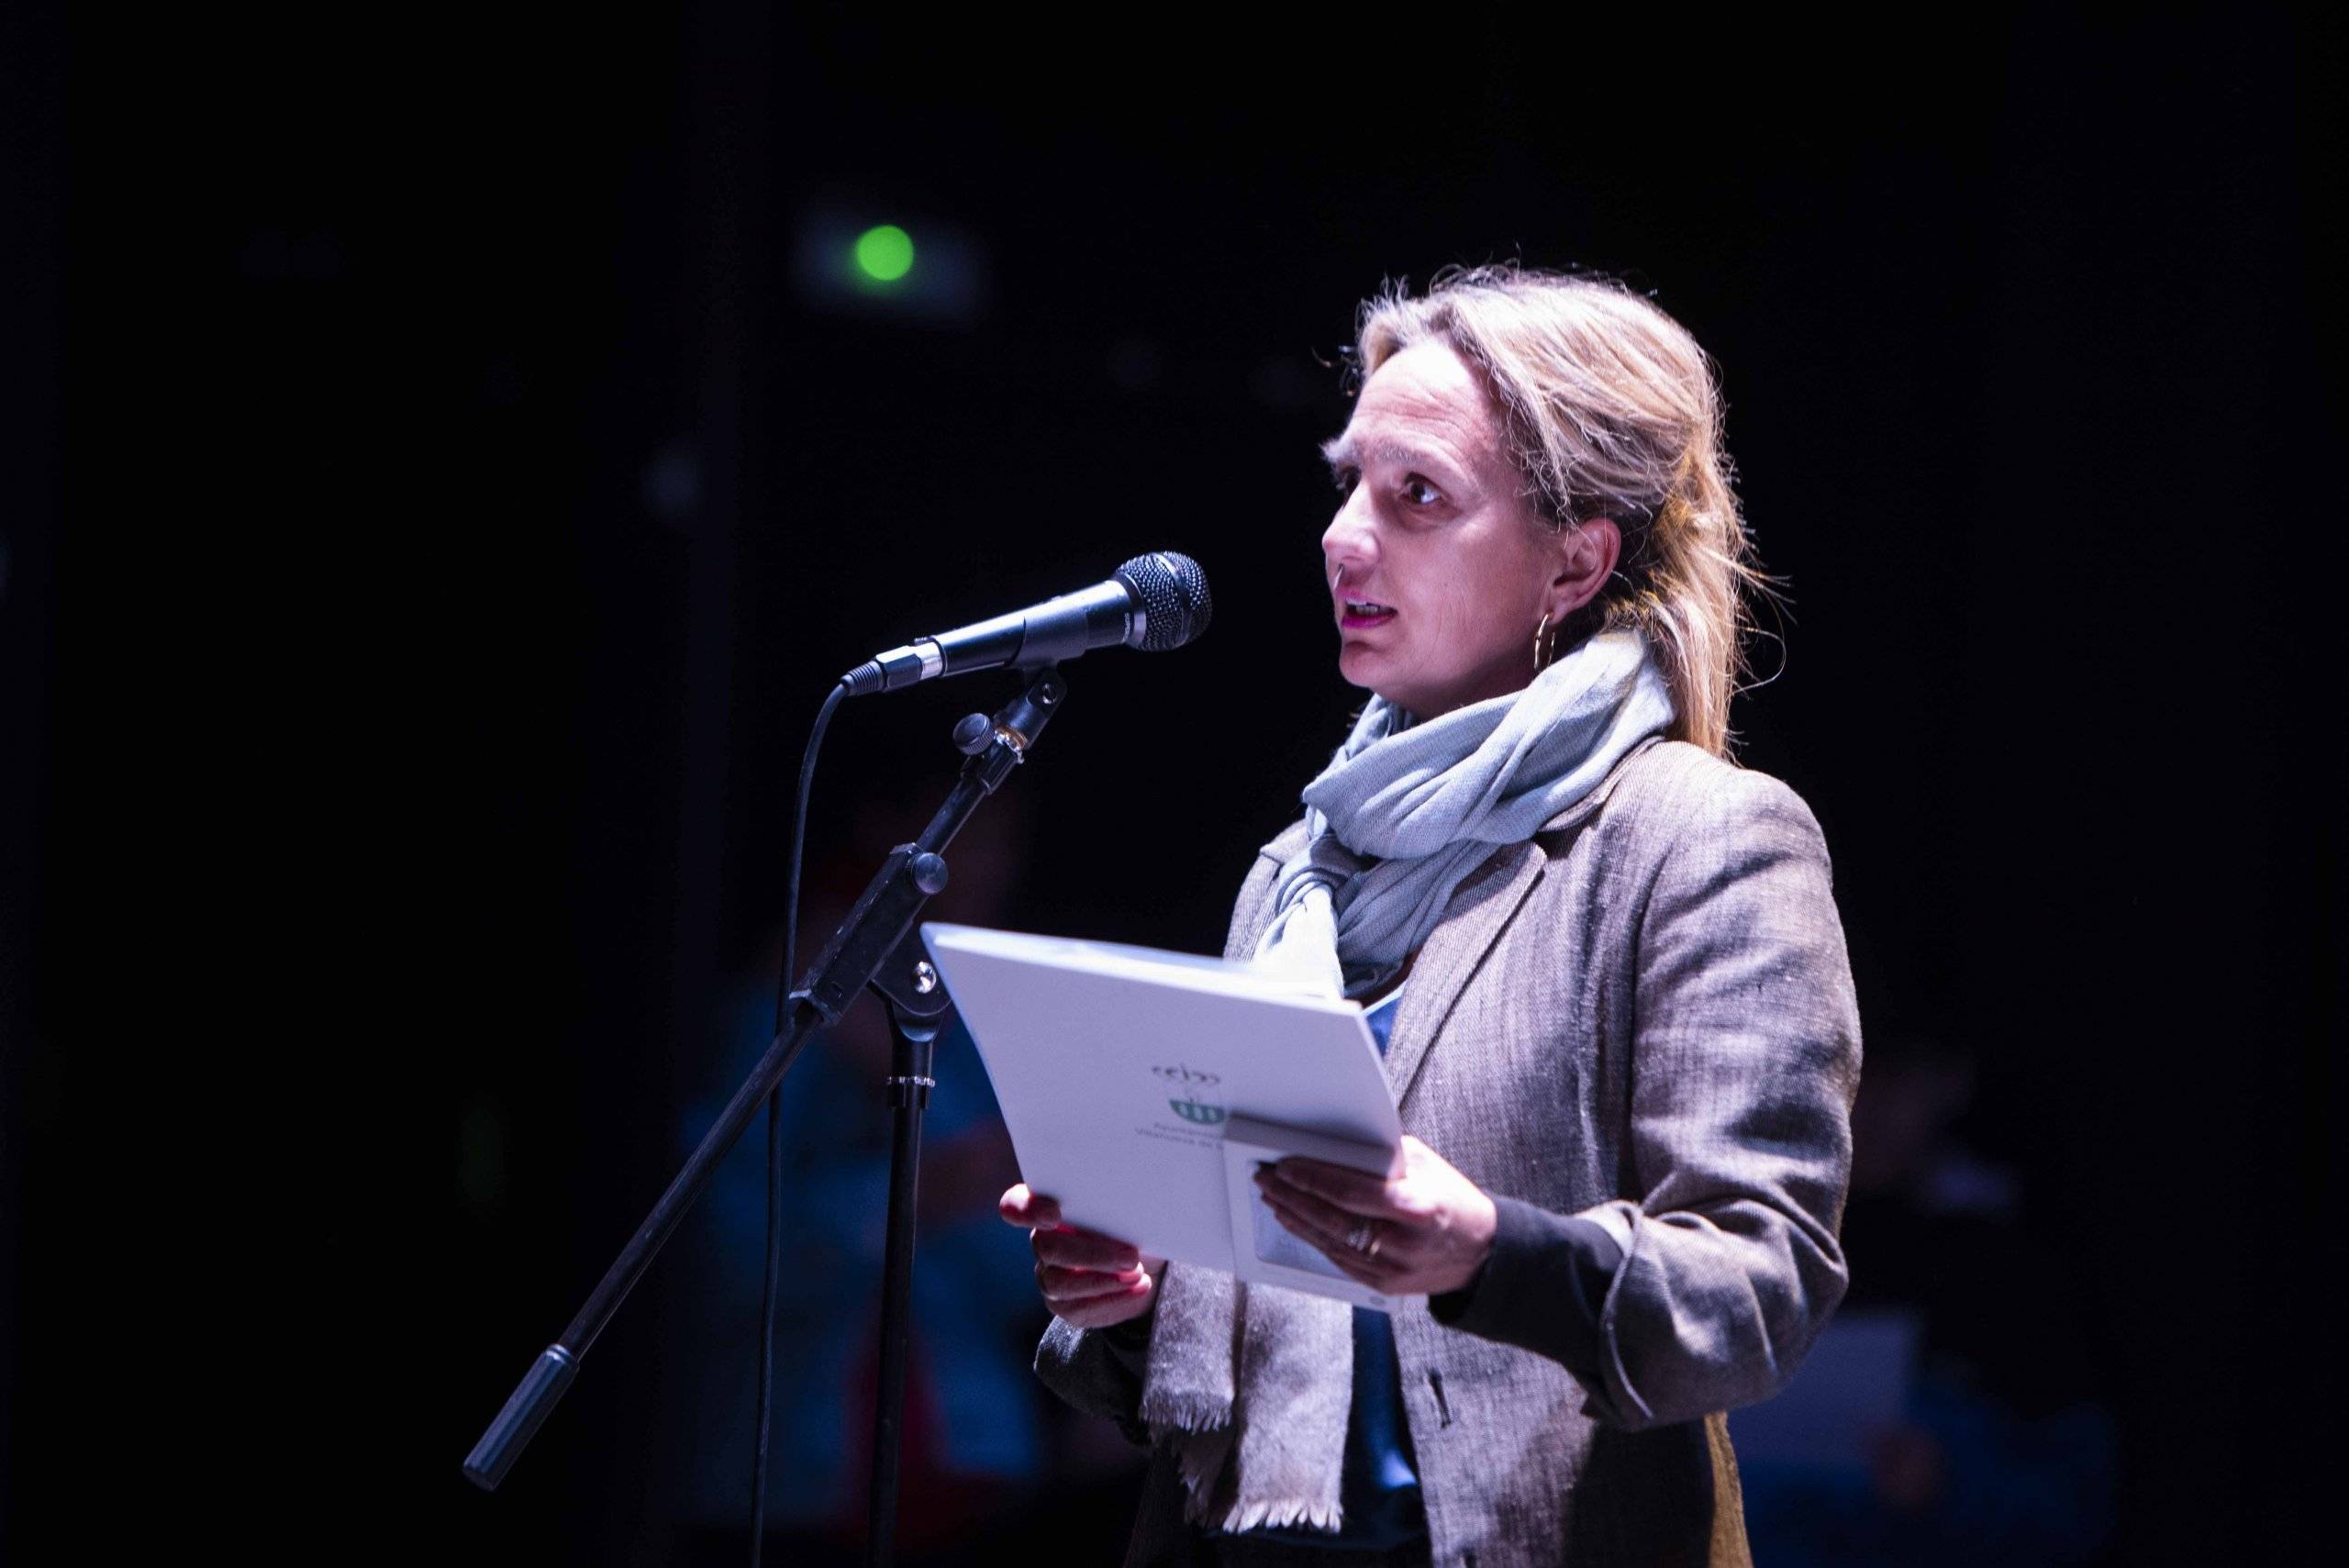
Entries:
{"x":1349,"y":542}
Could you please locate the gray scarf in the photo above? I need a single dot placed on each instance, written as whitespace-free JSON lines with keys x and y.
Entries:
{"x":1254,"y":1385}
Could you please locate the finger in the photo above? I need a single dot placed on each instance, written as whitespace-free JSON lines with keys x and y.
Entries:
{"x":1322,"y":1215}
{"x":1352,"y":1264}
{"x":1357,"y":1192}
{"x":1104,"y":1311}
{"x":1374,"y":1271}
{"x":1308,"y":1227}
{"x":1339,"y":1215}
{"x":1085,"y":1250}
{"x":1071,"y":1285}
{"x":1332,"y":1230}
{"x":1020,"y":1206}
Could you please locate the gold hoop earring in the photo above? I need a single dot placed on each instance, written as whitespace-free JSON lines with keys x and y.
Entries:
{"x":1541,"y":652}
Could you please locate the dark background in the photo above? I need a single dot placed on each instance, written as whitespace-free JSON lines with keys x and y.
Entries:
{"x":436,"y":497}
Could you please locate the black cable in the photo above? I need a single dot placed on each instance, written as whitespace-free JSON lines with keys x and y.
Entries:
{"x":774,"y":1124}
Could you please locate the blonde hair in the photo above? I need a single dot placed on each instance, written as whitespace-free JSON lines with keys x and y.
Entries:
{"x":1612,"y":411}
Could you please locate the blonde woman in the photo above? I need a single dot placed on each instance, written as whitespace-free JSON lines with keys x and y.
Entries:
{"x":1602,"y":961}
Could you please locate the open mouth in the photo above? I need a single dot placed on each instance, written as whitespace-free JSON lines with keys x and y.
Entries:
{"x":1363,"y":612}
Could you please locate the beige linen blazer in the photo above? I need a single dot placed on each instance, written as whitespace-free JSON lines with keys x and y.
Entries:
{"x":1644,"y":1016}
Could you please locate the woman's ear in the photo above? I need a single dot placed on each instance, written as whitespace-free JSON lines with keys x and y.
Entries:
{"x":1585,"y":556}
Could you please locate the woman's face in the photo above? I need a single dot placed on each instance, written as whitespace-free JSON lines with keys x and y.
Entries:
{"x":1439,"y":568}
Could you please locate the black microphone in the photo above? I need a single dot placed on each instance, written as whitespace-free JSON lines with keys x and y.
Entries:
{"x":1153,"y":602}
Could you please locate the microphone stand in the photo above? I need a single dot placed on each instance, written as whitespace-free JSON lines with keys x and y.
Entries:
{"x":875,"y":945}
{"x":918,"y":1010}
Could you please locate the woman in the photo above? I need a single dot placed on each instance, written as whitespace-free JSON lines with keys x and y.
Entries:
{"x":1606,"y":969}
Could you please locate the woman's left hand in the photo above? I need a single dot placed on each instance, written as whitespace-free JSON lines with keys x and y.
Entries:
{"x":1423,"y":1232}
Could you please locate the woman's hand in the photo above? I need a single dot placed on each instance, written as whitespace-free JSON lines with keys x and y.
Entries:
{"x":1423,"y":1232}
{"x":1089,"y":1280}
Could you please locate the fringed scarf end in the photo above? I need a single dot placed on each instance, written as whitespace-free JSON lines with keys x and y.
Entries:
{"x":1284,"y":1513}
{"x":1187,"y":1414}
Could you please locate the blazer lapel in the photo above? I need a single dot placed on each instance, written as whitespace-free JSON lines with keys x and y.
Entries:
{"x":1479,"y":910}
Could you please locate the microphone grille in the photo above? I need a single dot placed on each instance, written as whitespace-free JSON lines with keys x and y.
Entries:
{"x":1173,"y":595}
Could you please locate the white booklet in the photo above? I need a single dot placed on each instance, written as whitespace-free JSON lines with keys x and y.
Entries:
{"x":1142,"y":1087}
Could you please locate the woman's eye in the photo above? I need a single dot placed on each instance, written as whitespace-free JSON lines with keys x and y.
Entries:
{"x":1344,"y":478}
{"x":1420,"y":492}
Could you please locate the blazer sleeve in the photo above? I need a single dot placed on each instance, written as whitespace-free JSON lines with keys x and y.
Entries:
{"x":1745,"y":1057}
{"x":1098,"y":1370}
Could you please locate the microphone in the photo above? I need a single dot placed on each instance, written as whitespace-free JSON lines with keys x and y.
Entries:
{"x":1153,"y":602}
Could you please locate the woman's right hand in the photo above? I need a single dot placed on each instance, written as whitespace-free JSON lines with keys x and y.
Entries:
{"x":1089,"y":1280}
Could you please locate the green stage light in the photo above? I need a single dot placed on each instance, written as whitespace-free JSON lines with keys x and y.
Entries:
{"x":884,"y":253}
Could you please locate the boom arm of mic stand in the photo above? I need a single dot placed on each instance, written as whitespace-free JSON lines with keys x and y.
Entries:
{"x":882,"y":917}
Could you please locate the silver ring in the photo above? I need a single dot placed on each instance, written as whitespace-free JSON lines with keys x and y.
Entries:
{"x":1363,"y":1238}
